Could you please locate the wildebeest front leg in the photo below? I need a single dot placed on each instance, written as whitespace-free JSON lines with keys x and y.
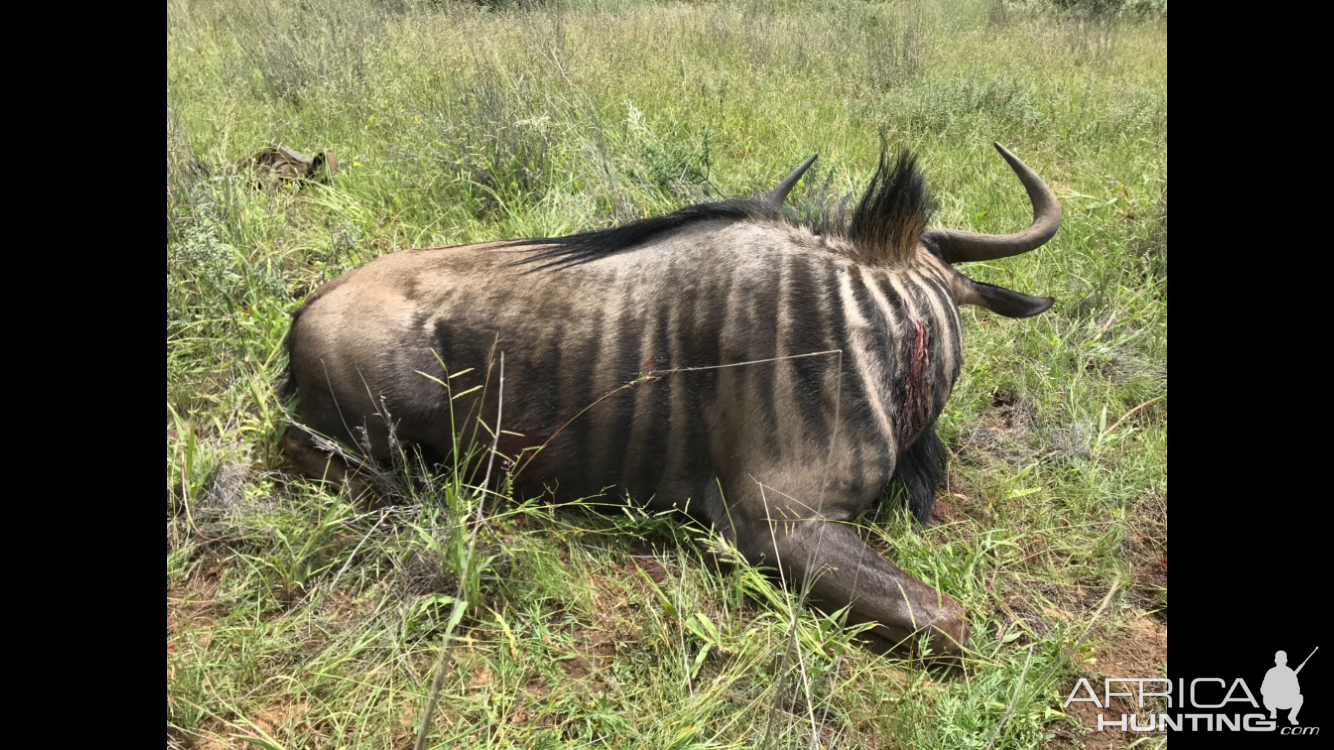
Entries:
{"x":845,"y":570}
{"x":318,"y":464}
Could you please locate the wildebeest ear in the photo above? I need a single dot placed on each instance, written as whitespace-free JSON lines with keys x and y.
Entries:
{"x":1005,"y":302}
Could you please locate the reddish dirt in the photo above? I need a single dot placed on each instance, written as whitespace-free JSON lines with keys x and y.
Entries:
{"x":944,"y":512}
{"x":594,"y":651}
{"x":594,"y":645}
{"x":211,"y":743}
{"x":959,"y":512}
{"x":1086,"y":714}
{"x":282,"y":718}
{"x":652,"y":567}
{"x":1141,"y":651}
{"x":957,"y":504}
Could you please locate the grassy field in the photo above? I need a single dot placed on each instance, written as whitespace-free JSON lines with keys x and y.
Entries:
{"x":296,"y":621}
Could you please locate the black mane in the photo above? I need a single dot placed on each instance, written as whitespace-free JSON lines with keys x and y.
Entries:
{"x":884,"y":228}
{"x":891,"y":216}
{"x":589,"y":246}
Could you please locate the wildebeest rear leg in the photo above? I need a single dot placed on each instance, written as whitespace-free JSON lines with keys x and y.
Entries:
{"x":845,"y":570}
{"x":315,"y":463}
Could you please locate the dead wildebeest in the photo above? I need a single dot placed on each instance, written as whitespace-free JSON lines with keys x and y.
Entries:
{"x":770,"y":378}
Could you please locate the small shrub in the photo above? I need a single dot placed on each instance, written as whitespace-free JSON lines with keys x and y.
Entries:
{"x":676,"y":163}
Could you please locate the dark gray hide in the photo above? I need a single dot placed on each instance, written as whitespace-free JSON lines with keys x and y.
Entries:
{"x":770,"y":377}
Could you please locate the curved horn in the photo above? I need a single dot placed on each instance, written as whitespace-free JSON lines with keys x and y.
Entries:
{"x":962,"y":247}
{"x":780,"y":193}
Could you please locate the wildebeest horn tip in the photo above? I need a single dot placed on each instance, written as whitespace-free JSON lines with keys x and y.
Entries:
{"x":964,"y":247}
{"x":779,"y":193}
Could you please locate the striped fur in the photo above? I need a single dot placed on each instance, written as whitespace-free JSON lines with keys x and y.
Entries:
{"x":723,"y":360}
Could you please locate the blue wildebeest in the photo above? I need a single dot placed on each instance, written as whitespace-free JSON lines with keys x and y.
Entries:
{"x":766,"y":376}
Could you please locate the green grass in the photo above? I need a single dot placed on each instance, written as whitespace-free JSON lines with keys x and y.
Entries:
{"x":295,"y":621}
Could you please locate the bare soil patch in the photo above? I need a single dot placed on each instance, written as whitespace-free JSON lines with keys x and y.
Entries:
{"x":957,"y":504}
{"x":595,"y":649}
{"x":1086,"y":715}
{"x":1003,"y":431}
{"x":652,"y":567}
{"x":1140,"y":651}
{"x":595,"y":645}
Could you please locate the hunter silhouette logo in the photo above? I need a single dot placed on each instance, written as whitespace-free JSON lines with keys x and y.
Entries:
{"x":1281,"y":688}
{"x":1202,"y":704}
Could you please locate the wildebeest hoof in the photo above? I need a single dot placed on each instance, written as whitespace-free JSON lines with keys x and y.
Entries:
{"x":950,"y":631}
{"x":364,"y":496}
